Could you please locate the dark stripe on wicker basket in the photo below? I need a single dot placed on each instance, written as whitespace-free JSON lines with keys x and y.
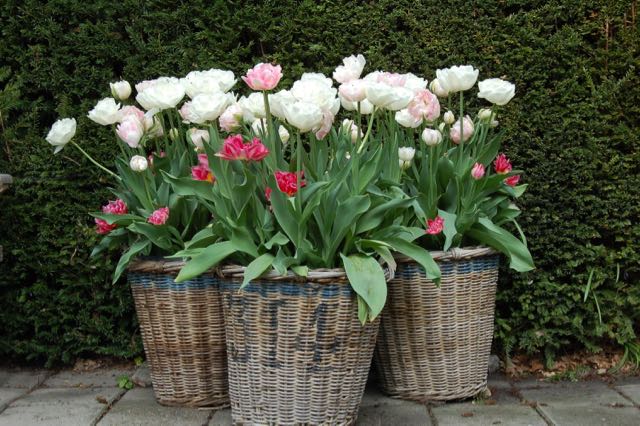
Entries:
{"x":182,"y":327}
{"x":297,"y":353}
{"x":435,"y":342}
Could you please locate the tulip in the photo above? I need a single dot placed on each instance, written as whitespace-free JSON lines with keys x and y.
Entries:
{"x":496,"y":91}
{"x":425,"y":105}
{"x":130,"y":131}
{"x":449,"y":118}
{"x":163,"y":93}
{"x":206,"y":107}
{"x":130,"y":110}
{"x":210,"y":81}
{"x":441,"y":127}
{"x":350,"y":128}
{"x":467,"y":130}
{"x":202,"y":171}
{"x":230,"y":118}
{"x":159,"y":217}
{"x":105,"y":112}
{"x":414,"y":83}
{"x":392,"y":79}
{"x":263,"y":77}
{"x":494,"y":124}
{"x":234,"y":148}
{"x":457,"y":78}
{"x":406,"y":119}
{"x":198,"y":137}
{"x":61,"y":133}
{"x":316,"y":91}
{"x":278,"y":100}
{"x":284,"y":135}
{"x":502,"y":165}
{"x":103,"y":227}
{"x":259,"y":127}
{"x":513,"y":180}
{"x":117,"y":206}
{"x":353,"y":91}
{"x":303,"y":115}
{"x":389,"y":97}
{"x":437,"y":89}
{"x":431,"y":137}
{"x":477,"y":172}
{"x":366,"y":107}
{"x":253,"y":107}
{"x":406,"y":153}
{"x":350,"y":70}
{"x":120,"y":90}
{"x":138,"y":163}
{"x":485,"y":114}
{"x":435,"y":226}
{"x":288,"y":182}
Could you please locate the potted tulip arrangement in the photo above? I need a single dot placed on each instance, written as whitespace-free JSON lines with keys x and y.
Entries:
{"x":435,"y":340}
{"x":302,"y":225}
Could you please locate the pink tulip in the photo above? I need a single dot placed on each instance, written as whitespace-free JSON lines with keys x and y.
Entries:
{"x":435,"y":226}
{"x":159,"y":217}
{"x":353,"y":91}
{"x":102,"y":227}
{"x":513,"y":180}
{"x":467,"y":129}
{"x":502,"y":165}
{"x":230,"y":118}
{"x":130,"y":130}
{"x":478,"y":171}
{"x":202,"y":170}
{"x":234,"y":148}
{"x":325,"y":125}
{"x":263,"y":76}
{"x":115,"y":207}
{"x":131,"y":110}
{"x":424,"y":105}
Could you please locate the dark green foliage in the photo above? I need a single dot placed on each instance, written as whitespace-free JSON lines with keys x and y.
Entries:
{"x":573,"y":126}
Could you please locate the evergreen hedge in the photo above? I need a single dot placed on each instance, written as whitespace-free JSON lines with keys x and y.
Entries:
{"x":573,"y":127}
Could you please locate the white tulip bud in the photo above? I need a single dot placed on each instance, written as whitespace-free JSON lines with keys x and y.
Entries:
{"x":404,"y":165}
{"x":174,"y":134}
{"x":284,"y":134}
{"x":138,"y":163}
{"x":406,"y":153}
{"x":449,"y":118}
{"x":494,"y":123}
{"x":120,"y":90}
{"x":437,"y":89}
{"x":484,"y":114}
{"x":441,"y":127}
{"x":431,"y":137}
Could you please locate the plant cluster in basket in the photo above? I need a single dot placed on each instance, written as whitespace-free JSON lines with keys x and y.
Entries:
{"x":349,"y":172}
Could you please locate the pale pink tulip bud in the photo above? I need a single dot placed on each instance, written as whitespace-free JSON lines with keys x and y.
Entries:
{"x":449,"y":118}
{"x":437,"y":88}
{"x":431,"y":137}
{"x":230,"y":118}
{"x":467,"y":129}
{"x":478,"y":171}
{"x":130,"y":130}
{"x":353,"y":91}
{"x":263,"y":76}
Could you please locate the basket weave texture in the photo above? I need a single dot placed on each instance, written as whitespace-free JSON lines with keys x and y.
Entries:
{"x":435,"y":342}
{"x":297,"y":353}
{"x":182,"y":327}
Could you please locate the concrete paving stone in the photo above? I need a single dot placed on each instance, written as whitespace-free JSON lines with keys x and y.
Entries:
{"x":69,"y":407}
{"x":138,"y":407}
{"x":8,"y":395}
{"x":503,"y":408}
{"x":221,"y":418}
{"x":583,"y":403}
{"x":405,"y":413}
{"x":22,"y":379}
{"x":631,"y":391}
{"x":100,"y":378}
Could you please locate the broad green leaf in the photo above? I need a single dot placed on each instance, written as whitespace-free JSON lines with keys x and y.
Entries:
{"x":257,"y":268}
{"x":375,"y":216}
{"x":449,"y":230}
{"x":367,"y":280}
{"x":346,"y":215}
{"x":207,"y":259}
{"x":158,"y":235}
{"x":486,"y":232}
{"x":279,"y":239}
{"x":420,"y":255}
{"x":133,"y":251}
{"x":118,"y":219}
{"x":301,"y":271}
{"x":202,"y":238}
{"x":242,"y":241}
{"x":284,"y":212}
{"x":362,"y":310}
{"x":190,"y":186}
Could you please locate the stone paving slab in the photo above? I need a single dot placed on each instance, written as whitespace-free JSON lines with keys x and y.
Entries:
{"x":138,"y":407}
{"x":101,"y":378}
{"x":8,"y":395}
{"x":632,"y":392}
{"x":54,"y":407}
{"x":221,"y":418}
{"x":583,"y":403}
{"x":22,"y":379}
{"x":378,"y":409}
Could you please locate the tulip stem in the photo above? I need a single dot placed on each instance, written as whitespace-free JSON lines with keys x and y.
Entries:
{"x":95,"y":162}
{"x":461,"y":145}
{"x":366,"y":136}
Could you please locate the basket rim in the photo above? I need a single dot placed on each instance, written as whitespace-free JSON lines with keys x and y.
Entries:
{"x":230,"y":271}
{"x":453,"y":254}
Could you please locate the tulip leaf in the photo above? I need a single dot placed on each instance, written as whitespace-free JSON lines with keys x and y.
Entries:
{"x":190,"y":186}
{"x":207,"y":259}
{"x":133,"y":251}
{"x":367,"y":280}
{"x":118,"y":219}
{"x":486,"y":232}
{"x":449,"y":230}
{"x":374,"y":217}
{"x":257,"y":268}
{"x":420,"y":255}
{"x":279,"y":239}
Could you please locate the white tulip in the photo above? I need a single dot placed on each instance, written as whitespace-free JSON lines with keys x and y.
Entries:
{"x":61,"y":133}
{"x":353,"y":91}
{"x":449,"y":118}
{"x":437,"y":89}
{"x":415,"y":83}
{"x":277,"y":102}
{"x":305,"y":116}
{"x":441,"y":127}
{"x":404,"y":165}
{"x":350,"y":70}
{"x":406,"y":153}
{"x":366,"y":107}
{"x":162,"y":93}
{"x":350,"y":128}
{"x":105,"y":112}
{"x":198,"y":137}
{"x":210,"y":81}
{"x":317,"y":76}
{"x":431,"y":137}
{"x":174,"y":134}
{"x":496,"y":91}
{"x":120,"y":90}
{"x":494,"y":123}
{"x":316,"y":91}
{"x":284,"y":134}
{"x":484,"y":114}
{"x":457,"y":78}
{"x":252,"y":107}
{"x":206,"y":107}
{"x":138,"y":163}
{"x":388,"y":97}
{"x":152,"y":124}
{"x":406,"y":119}
{"x":259,"y":127}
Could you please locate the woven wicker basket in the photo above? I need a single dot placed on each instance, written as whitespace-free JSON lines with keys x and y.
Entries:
{"x":182,"y":328}
{"x":297,"y":353}
{"x":435,"y":342}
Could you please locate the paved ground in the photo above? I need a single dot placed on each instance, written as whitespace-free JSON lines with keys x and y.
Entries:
{"x":38,"y":397}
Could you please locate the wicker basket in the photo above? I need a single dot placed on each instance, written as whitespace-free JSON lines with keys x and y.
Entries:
{"x":182,"y":328}
{"x":435,"y":342}
{"x":297,"y":353}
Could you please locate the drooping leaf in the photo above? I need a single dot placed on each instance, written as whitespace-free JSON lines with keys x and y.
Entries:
{"x":420,"y":255}
{"x":257,"y":268}
{"x":486,"y":232}
{"x":367,"y":280}
{"x":207,"y":259}
{"x":133,"y":251}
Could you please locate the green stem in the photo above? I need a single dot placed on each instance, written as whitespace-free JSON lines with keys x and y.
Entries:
{"x":146,"y":188}
{"x":366,"y":136}
{"x":461,"y":144}
{"x":95,"y":162}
